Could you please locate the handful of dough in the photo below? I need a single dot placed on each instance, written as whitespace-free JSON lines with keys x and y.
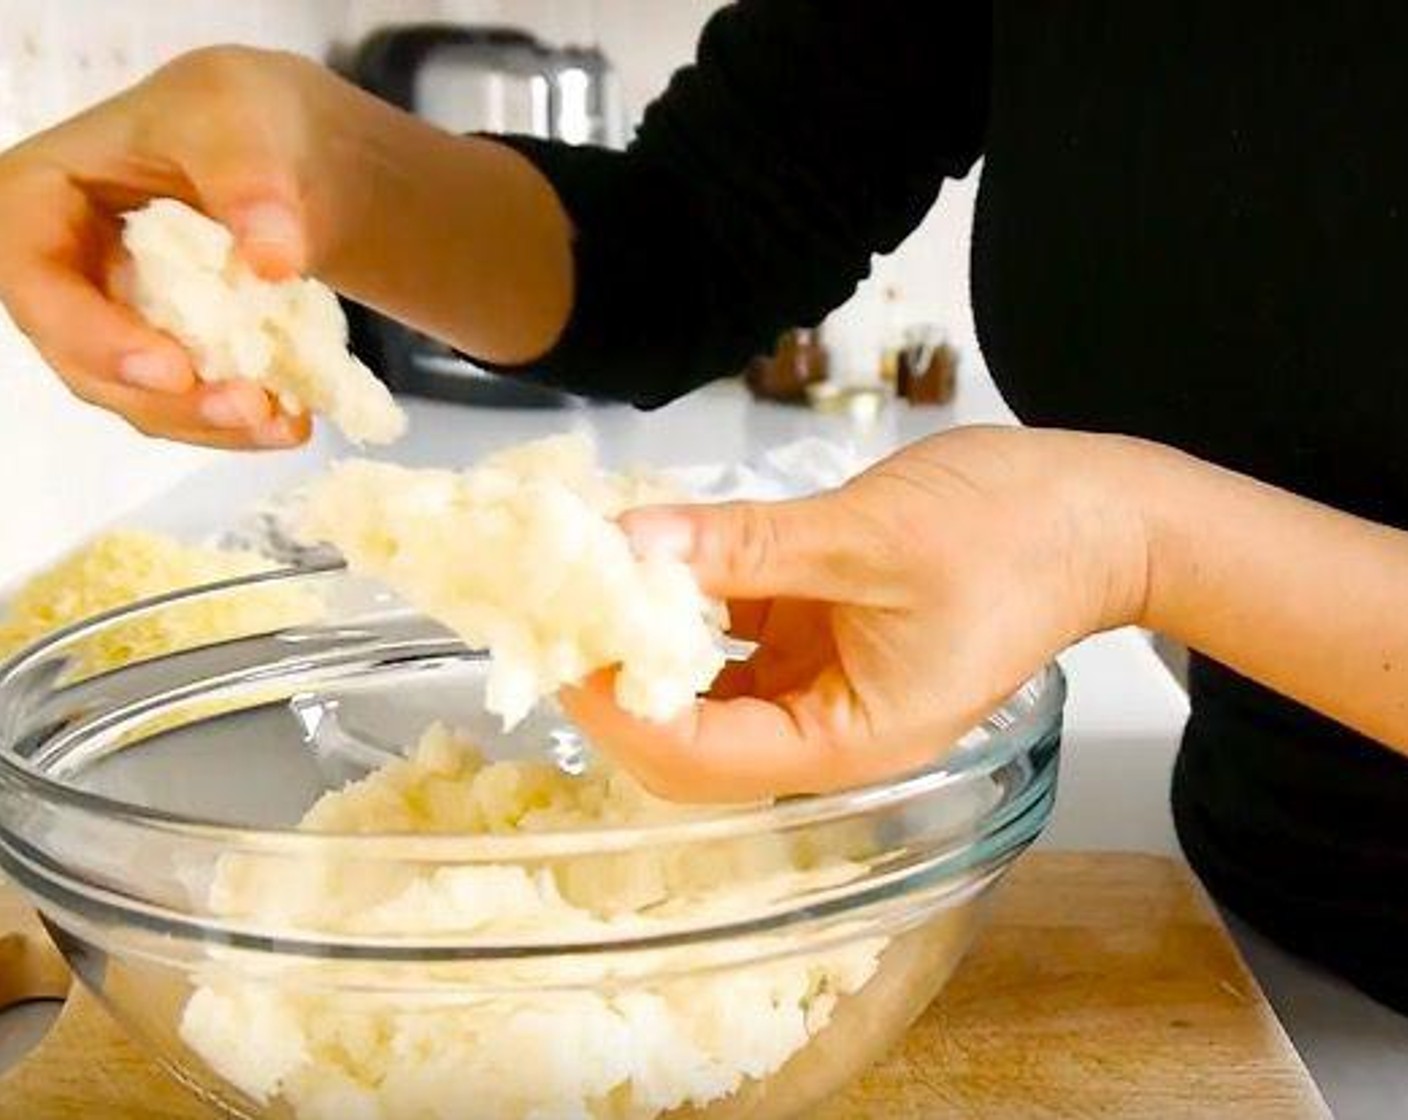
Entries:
{"x":521,"y":556}
{"x":289,"y":337}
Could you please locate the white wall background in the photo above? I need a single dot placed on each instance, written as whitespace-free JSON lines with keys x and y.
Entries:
{"x":68,"y":469}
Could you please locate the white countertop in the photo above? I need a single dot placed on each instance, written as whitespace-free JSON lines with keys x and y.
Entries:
{"x":1125,"y":712}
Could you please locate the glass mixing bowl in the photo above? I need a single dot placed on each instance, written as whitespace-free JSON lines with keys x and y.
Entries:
{"x":744,"y":961}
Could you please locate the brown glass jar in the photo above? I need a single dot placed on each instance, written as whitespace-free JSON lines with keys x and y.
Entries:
{"x":800,"y":360}
{"x":928,"y":373}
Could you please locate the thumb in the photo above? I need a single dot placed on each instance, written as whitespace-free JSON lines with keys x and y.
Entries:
{"x":266,"y":216}
{"x":809,"y":548}
{"x":270,"y":237}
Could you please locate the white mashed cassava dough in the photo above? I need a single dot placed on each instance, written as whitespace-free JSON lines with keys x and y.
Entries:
{"x":561,"y":1042}
{"x":521,"y":556}
{"x":289,"y":337}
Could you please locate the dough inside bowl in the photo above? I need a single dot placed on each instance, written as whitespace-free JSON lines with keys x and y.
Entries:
{"x":555,"y":1036}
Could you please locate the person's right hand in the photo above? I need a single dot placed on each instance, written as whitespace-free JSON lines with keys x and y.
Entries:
{"x":891,"y":615}
{"x":229,"y":131}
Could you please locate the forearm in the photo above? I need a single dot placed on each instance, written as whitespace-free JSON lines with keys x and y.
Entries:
{"x":645,"y":273}
{"x":1304,"y":599}
{"x":459,"y":237}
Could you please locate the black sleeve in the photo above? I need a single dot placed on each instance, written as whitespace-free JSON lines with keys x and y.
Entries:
{"x":807,"y":136}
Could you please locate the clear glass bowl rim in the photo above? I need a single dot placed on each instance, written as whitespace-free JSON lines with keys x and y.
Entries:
{"x":1028,"y":717}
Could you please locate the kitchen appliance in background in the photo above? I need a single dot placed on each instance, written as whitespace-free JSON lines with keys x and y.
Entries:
{"x":478,"y":79}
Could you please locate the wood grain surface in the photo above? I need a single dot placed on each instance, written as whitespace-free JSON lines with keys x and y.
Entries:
{"x":1104,"y":985}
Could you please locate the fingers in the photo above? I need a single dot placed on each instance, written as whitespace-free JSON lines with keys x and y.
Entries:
{"x":249,"y":187}
{"x":728,"y":750}
{"x":109,"y":357}
{"x":268,"y":228}
{"x":747,"y":617}
{"x":82,"y":333}
{"x":794,"y":644}
{"x":230,"y":415}
{"x":812,"y":548}
{"x":743,"y":749}
{"x":738,"y":678}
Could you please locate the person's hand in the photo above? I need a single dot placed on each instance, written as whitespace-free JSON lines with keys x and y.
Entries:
{"x":891,"y":615}
{"x":228,"y":130}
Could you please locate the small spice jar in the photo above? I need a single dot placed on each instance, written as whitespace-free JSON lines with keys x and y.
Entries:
{"x":928,"y":369}
{"x":799,"y":361}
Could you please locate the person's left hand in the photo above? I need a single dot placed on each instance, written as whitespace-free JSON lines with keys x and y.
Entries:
{"x":891,"y":615}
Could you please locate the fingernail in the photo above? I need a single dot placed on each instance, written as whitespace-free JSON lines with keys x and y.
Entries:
{"x":666,"y":536}
{"x":268,"y":222}
{"x":278,"y":432}
{"x":150,"y":369}
{"x":233,"y":409}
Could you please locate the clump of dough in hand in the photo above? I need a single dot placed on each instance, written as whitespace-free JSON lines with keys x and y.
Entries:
{"x":290,"y":337}
{"x":522,"y":556}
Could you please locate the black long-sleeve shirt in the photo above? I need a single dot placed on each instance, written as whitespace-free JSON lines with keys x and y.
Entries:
{"x":1190,"y":227}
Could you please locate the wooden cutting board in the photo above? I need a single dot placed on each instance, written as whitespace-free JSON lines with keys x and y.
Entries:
{"x":1104,"y":985}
